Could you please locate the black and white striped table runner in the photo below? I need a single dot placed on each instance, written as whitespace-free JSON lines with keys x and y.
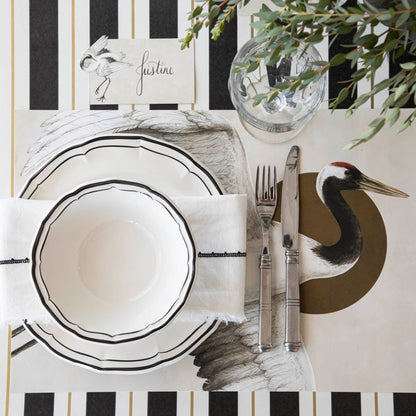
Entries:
{"x":213,"y":404}
{"x":145,"y":19}
{"x":48,"y":39}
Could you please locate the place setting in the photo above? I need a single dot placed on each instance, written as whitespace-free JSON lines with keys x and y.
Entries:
{"x":122,"y":273}
{"x":157,"y":241}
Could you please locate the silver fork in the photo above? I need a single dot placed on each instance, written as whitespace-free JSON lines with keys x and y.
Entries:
{"x":266,"y":201}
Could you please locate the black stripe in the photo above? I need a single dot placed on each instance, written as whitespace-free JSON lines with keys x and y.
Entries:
{"x":223,"y":403}
{"x":161,"y":403}
{"x":284,"y":404}
{"x":163,"y":106}
{"x":404,"y":404}
{"x":346,"y":404}
{"x":221,"y":55}
{"x":394,"y":68}
{"x":163,"y":19}
{"x":337,"y":75}
{"x":103,"y":21}
{"x":163,"y":23}
{"x":39,"y":404}
{"x":101,"y":404}
{"x":43,"y":54}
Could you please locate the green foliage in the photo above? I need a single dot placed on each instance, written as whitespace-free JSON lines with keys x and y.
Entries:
{"x":310,"y":21}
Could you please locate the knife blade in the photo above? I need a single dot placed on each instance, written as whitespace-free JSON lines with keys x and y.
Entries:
{"x":290,"y":240}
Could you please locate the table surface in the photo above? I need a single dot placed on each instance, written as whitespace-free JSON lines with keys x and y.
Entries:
{"x":42,"y":41}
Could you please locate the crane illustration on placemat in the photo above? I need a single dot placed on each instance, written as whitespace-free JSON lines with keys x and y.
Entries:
{"x":343,"y":242}
{"x":338,"y":267}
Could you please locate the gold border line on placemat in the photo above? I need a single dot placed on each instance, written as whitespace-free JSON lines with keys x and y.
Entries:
{"x":68,"y":412}
{"x":130,"y":403}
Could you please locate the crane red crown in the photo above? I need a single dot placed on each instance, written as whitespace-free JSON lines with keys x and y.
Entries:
{"x":343,"y":165}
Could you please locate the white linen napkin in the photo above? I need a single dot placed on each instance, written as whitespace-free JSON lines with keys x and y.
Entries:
{"x":218,"y":225}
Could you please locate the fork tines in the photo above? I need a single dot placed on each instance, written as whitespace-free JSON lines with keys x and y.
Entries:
{"x":268,"y":192}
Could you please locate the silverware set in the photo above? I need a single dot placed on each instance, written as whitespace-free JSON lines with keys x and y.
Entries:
{"x":266,"y":203}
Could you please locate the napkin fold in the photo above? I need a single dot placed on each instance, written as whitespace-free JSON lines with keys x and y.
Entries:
{"x":217,"y":223}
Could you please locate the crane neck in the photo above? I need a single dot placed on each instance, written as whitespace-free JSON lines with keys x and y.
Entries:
{"x":348,"y":248}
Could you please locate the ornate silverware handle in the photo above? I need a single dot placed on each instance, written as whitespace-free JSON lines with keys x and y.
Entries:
{"x":292,"y":321}
{"x":265,"y":322}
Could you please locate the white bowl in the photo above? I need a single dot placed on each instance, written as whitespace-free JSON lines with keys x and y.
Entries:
{"x":113,"y":261}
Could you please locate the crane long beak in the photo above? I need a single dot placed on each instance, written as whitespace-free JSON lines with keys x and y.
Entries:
{"x":368,"y":184}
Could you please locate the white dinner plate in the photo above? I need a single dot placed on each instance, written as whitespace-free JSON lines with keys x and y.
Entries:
{"x":166,"y":169}
{"x":123,"y":251}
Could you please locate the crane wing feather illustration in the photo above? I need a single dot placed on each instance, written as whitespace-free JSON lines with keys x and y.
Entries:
{"x":228,"y":359}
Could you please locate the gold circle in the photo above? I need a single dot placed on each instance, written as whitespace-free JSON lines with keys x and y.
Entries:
{"x":332,"y":294}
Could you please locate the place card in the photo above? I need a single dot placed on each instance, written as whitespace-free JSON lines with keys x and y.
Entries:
{"x":140,"y":71}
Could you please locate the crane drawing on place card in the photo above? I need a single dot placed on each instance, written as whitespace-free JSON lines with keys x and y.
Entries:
{"x":97,"y":58}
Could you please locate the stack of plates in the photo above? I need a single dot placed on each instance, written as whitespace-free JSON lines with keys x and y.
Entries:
{"x":114,"y":260}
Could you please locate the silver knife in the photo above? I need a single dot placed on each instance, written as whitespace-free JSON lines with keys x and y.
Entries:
{"x":290,"y":229}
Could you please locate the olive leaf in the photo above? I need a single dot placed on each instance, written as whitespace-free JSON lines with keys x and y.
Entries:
{"x":310,"y":21}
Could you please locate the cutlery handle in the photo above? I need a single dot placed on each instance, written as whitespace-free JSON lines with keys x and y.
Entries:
{"x":265,"y":320}
{"x":292,"y":320}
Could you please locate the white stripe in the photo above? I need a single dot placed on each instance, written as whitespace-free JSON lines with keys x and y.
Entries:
{"x":141,"y":19}
{"x":382,"y":73}
{"x":82,"y":40}
{"x":305,"y":403}
{"x":60,"y":404}
{"x":65,"y":54}
{"x":202,"y":70}
{"x":244,"y":403}
{"x":124,"y":29}
{"x":22,"y":55}
{"x":184,"y":7}
{"x":124,"y":19}
{"x":201,"y":403}
{"x":323,"y":404}
{"x":78,"y":404}
{"x":322,"y":48}
{"x":262,"y":403}
{"x":5,"y":111}
{"x":122,"y":403}
{"x":139,"y":407}
{"x":183,"y":403}
{"x":243,"y":30}
{"x":368,"y":407}
{"x":17,"y":404}
{"x":141,"y":30}
{"x":385,"y":404}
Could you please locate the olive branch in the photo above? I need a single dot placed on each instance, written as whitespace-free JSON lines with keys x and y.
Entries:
{"x":300,"y":23}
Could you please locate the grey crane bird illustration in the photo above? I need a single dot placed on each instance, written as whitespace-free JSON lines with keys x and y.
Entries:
{"x":228,"y":360}
{"x":97,"y":58}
